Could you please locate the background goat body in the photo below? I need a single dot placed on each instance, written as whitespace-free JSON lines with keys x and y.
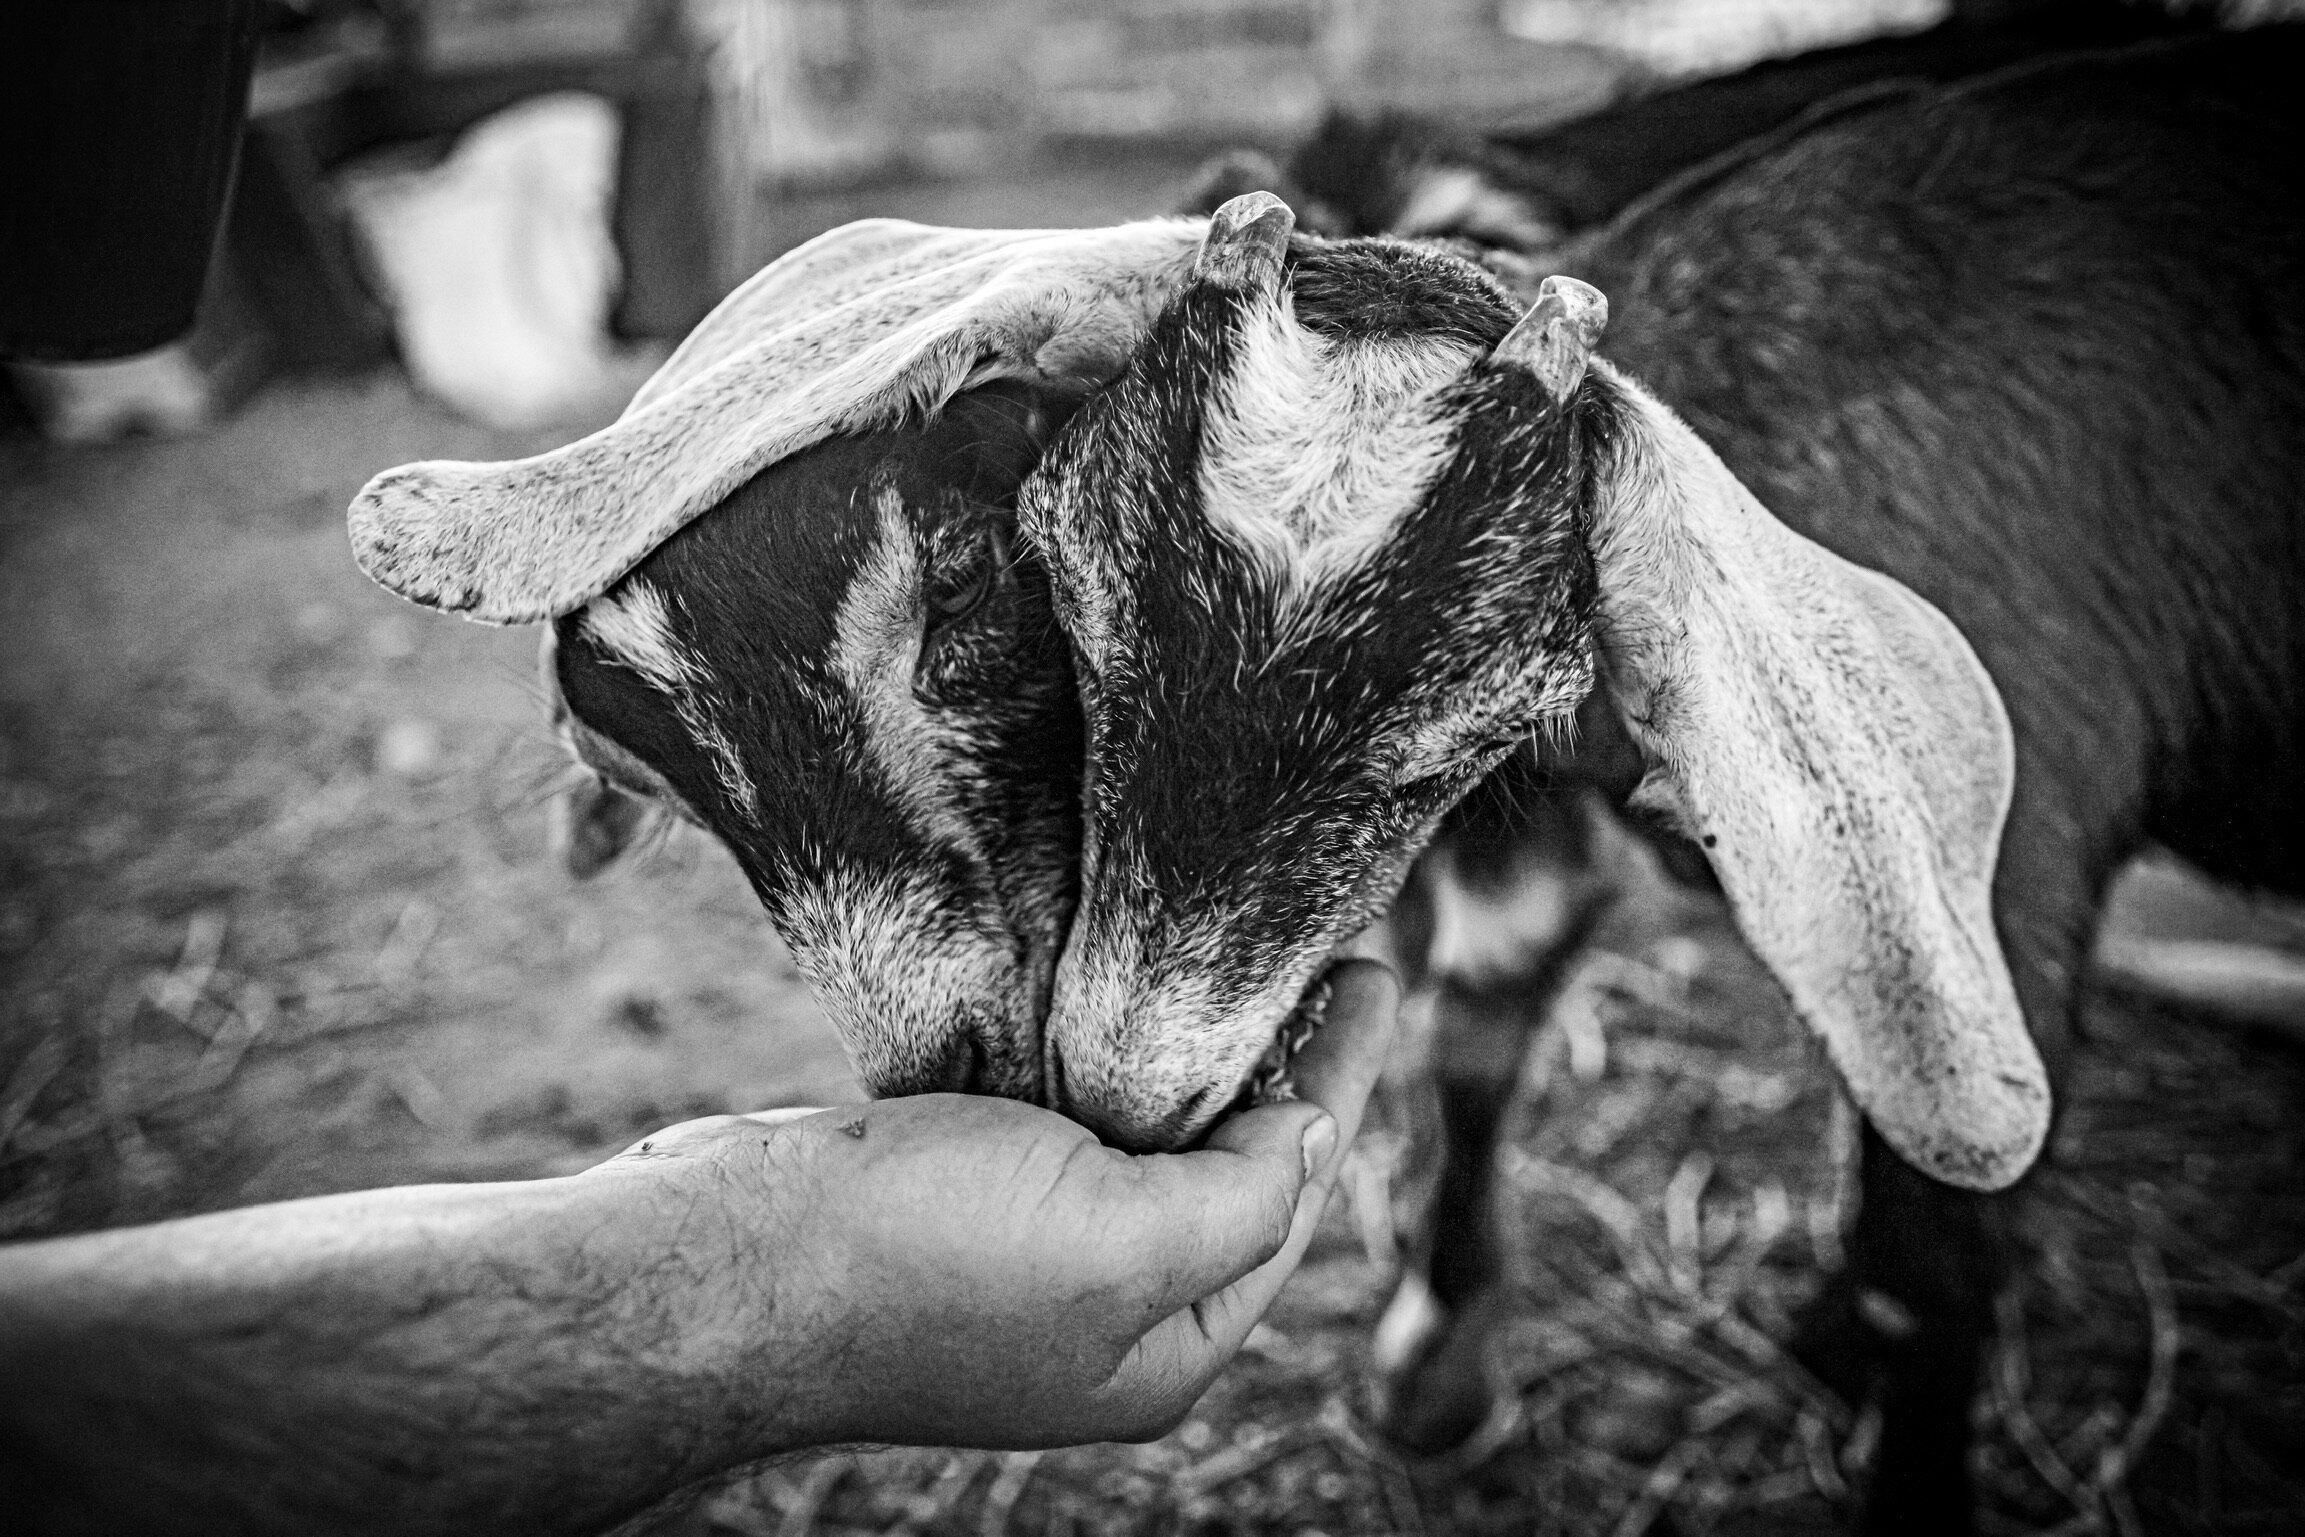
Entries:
{"x":2035,"y":349}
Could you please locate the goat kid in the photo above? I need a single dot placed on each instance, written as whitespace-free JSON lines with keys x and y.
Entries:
{"x":1404,"y":522}
{"x":1321,"y":570}
{"x":785,"y":603}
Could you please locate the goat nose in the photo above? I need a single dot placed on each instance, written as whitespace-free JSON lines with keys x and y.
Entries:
{"x":1140,"y":1126}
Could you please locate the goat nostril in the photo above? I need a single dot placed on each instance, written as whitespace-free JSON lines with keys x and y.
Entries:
{"x":975,"y":1067}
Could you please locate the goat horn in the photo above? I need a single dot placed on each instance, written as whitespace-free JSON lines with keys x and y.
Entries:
{"x":1247,"y":237}
{"x":1557,"y":335}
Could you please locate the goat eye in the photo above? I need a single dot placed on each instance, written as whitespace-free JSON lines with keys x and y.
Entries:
{"x":956,"y":593}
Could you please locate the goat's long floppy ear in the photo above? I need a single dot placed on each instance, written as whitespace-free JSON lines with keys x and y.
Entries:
{"x":861,"y":328}
{"x":1844,"y":760}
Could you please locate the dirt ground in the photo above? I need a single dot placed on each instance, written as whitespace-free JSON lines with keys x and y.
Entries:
{"x":277,"y":917}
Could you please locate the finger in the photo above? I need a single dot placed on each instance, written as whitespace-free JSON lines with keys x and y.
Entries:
{"x":1338,"y":1067}
{"x":1339,"y":1071}
{"x":1204,"y":1219}
{"x":1175,"y":1360}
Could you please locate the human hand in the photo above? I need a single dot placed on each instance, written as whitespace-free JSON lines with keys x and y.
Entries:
{"x":552,"y":1355}
{"x":949,"y":1269}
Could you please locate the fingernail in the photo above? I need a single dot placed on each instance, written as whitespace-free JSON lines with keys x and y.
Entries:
{"x":1320,"y":1141}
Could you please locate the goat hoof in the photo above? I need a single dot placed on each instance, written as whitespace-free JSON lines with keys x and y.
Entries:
{"x":1432,"y":1392}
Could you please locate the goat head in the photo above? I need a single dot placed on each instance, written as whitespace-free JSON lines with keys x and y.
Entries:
{"x":785,"y":601}
{"x":1342,"y":537}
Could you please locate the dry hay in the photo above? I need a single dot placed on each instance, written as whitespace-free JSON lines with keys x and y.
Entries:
{"x":2150,"y":1376}
{"x":1681,"y":1179}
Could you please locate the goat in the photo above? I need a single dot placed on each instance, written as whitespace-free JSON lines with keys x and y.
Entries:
{"x":2027,"y":356}
{"x":783,"y":602}
{"x":1429,"y":1401}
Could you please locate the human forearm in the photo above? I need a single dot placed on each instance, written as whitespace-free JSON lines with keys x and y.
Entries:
{"x":451,"y":1358}
{"x":552,"y":1356}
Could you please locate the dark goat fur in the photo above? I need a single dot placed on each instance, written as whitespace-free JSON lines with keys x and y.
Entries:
{"x":2035,"y":347}
{"x":2037,"y":350}
{"x":1359,"y":174}
{"x":1240,"y":827}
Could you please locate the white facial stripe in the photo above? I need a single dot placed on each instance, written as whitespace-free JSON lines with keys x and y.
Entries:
{"x":869,"y":946}
{"x":876,"y":648}
{"x":635,"y":629}
{"x":1317,"y":446}
{"x":634,"y":626}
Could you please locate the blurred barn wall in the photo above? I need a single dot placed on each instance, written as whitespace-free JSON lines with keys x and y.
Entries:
{"x":748,"y":126}
{"x":843,"y":86}
{"x":815,"y":95}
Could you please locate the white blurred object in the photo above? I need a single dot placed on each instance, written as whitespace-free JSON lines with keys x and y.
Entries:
{"x":175,"y":390}
{"x":2249,"y":983}
{"x":408,"y":749}
{"x":1713,"y":37}
{"x":2172,"y":932}
{"x":499,"y":265}
{"x":163,"y":392}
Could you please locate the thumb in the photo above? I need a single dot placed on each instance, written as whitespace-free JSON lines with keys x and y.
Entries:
{"x":1245,"y":1263}
{"x":1175,"y":1359}
{"x":1272,"y":1133}
{"x":1228,"y":1208}
{"x":1243,"y":1190}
